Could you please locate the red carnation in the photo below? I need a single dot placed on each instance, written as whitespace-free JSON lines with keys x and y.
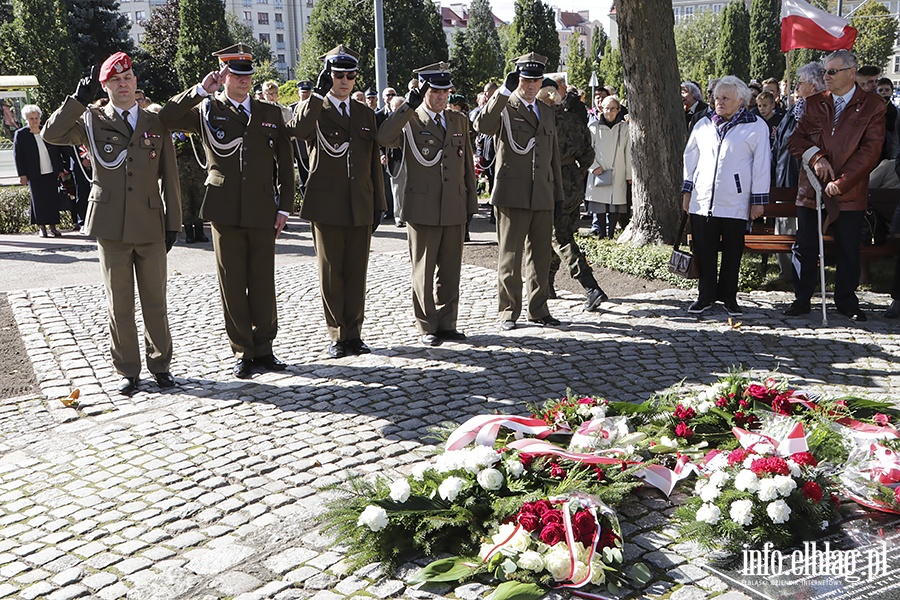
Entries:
{"x":812,"y":491}
{"x":528,"y":520}
{"x":552,"y":516}
{"x":752,"y":422}
{"x":607,"y":539}
{"x":881,"y":419}
{"x":782,"y":404}
{"x":773,"y":465}
{"x":737,"y":456}
{"x":743,"y":403}
{"x":721,"y":402}
{"x":526,"y":459}
{"x":804,"y":459}
{"x":599,"y":473}
{"x":585,"y":401}
{"x":557,"y":472}
{"x":684,"y":413}
{"x":682,"y":430}
{"x":552,"y":533}
{"x":584,"y":525}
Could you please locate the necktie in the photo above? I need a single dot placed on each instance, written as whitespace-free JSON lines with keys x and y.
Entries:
{"x":127,"y":122}
{"x":534,"y":112}
{"x":343,"y":109}
{"x":439,"y":122}
{"x":838,"y":109}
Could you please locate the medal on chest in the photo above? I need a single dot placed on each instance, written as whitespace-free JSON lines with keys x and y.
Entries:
{"x":107,"y":148}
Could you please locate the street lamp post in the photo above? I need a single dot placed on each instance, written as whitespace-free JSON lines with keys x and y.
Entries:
{"x":380,"y":55}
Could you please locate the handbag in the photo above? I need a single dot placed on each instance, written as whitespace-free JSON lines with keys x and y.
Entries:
{"x":604,"y":179}
{"x":682,"y":263}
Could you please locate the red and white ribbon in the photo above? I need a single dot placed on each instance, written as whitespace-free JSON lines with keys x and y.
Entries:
{"x":483,"y":429}
{"x":793,"y":442}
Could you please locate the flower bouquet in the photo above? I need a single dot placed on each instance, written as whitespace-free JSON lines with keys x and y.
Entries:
{"x":872,"y":476}
{"x":764,"y":491}
{"x":570,"y":541}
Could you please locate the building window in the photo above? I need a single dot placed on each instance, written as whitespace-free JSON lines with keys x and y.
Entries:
{"x":689,"y":11}
{"x":281,"y":59}
{"x":717,"y":8}
{"x":677,"y":11}
{"x":279,"y":3}
{"x":262,"y":1}
{"x":247,"y":3}
{"x":265,"y":38}
{"x":248,"y":16}
{"x":897,"y":64}
{"x":262,"y":18}
{"x":139,"y":16}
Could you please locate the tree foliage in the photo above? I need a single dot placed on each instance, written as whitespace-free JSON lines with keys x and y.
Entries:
{"x":534,"y":30}
{"x":578,"y":67}
{"x":240,"y":31}
{"x":697,"y":40}
{"x":202,"y":31}
{"x":412,"y":31}
{"x":733,"y":56}
{"x":38,"y":43}
{"x":611,"y":69}
{"x":877,"y":33}
{"x":598,"y":44}
{"x":766,"y":58}
{"x":157,"y":53}
{"x":476,"y":57}
{"x":97,"y":29}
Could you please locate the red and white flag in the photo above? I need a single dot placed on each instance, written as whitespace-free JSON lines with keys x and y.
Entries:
{"x":805,"y":26}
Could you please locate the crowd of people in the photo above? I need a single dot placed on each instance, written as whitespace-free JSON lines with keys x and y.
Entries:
{"x":544,"y":155}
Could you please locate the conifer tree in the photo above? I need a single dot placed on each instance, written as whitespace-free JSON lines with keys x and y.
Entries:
{"x":733,"y":57}
{"x":97,"y":29}
{"x":534,"y":30}
{"x":766,"y":59}
{"x":202,"y":31}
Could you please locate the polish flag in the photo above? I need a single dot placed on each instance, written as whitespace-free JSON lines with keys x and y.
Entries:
{"x":805,"y":26}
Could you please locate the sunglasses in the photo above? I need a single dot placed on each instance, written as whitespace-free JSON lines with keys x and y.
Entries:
{"x":836,"y":71}
{"x":351,"y":75}
{"x":390,"y":95}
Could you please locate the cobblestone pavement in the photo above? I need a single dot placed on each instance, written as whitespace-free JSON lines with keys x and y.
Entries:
{"x":209,"y":490}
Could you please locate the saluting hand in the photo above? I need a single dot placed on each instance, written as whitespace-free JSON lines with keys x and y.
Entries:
{"x":324,"y":82}
{"x":86,"y":91}
{"x":415,"y":97}
{"x":214,"y":80}
{"x":512,"y":81}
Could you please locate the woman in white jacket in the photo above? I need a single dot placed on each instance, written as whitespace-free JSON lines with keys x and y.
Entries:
{"x":607,"y":201}
{"x":727,"y":165}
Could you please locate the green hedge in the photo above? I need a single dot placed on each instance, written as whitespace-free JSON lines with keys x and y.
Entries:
{"x":15,"y":211}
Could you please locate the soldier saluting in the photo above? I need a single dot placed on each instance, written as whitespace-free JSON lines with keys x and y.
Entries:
{"x":437,"y":194}
{"x":134,"y":210}
{"x":243,"y":138}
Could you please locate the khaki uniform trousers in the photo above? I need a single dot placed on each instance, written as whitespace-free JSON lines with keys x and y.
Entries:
{"x":523,"y":233}
{"x":343,"y":257}
{"x":122,"y":263}
{"x":436,"y":251}
{"x":245,"y":263}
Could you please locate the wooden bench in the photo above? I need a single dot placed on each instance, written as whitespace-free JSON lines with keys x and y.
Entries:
{"x":762,"y":238}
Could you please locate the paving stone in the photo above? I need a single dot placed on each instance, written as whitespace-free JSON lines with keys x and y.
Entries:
{"x":233,"y":583}
{"x":68,"y":576}
{"x":100,"y":580}
{"x":290,"y":559}
{"x":220,"y":559}
{"x":36,"y":590}
{"x":69,"y":592}
{"x":688,"y":592}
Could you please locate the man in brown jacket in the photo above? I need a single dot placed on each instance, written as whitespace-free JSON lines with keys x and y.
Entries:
{"x":840,"y":136}
{"x":527,"y":189}
{"x":344,"y":196}
{"x":134,"y":210}
{"x":437,"y":188}
{"x":245,"y":139}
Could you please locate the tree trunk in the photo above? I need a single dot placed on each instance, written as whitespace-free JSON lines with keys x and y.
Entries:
{"x":647,"y":41}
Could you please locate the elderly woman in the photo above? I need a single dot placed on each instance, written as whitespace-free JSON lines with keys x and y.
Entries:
{"x":39,"y":166}
{"x":606,"y":197}
{"x":726,"y":181}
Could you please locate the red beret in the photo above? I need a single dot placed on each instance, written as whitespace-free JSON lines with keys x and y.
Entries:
{"x":115,"y":64}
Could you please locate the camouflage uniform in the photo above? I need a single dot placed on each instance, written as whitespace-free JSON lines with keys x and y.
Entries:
{"x":192,"y":178}
{"x":576,"y":151}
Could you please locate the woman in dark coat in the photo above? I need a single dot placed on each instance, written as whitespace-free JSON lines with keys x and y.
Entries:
{"x":39,"y":165}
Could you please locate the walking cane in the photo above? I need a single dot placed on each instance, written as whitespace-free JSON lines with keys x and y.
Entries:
{"x":817,"y":185}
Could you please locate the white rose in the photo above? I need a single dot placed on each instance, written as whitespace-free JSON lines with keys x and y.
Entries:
{"x":749,"y":460}
{"x":580,"y":572}
{"x":418,"y":471}
{"x":746,"y":481}
{"x":584,"y":410}
{"x":448,"y":461}
{"x":558,"y":563}
{"x":768,"y":490}
{"x":599,"y":574}
{"x":718,"y":478}
{"x":514,"y":467}
{"x":509,"y":566}
{"x":667,"y":441}
{"x":450,"y":488}
{"x":485,"y":550}
{"x":503,"y":532}
{"x":741,"y":512}
{"x":785,"y":485}
{"x":704,"y":407}
{"x":698,"y":487}
{"x":709,"y":513}
{"x":373,"y":517}
{"x":400,"y":491}
{"x":703,"y":396}
{"x":490,"y":479}
{"x":480,"y":457}
{"x":519,"y":543}
{"x":598,"y":412}
{"x":778,"y":511}
{"x":531,"y":561}
{"x":709,"y":492}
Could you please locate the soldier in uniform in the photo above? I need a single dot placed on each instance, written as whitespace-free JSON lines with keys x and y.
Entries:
{"x":437,"y":187}
{"x":527,"y":187}
{"x":192,"y":177}
{"x":344,"y":196}
{"x":301,"y":156}
{"x":243,"y":138}
{"x":134,"y":210}
{"x":576,"y":153}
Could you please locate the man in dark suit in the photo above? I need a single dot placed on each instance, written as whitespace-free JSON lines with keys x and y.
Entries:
{"x":390,"y":159}
{"x":344,"y":197}
{"x":694,"y":106}
{"x":244,"y":139}
{"x":437,"y":184}
{"x":527,"y":189}
{"x":134,"y":210}
{"x":301,"y":156}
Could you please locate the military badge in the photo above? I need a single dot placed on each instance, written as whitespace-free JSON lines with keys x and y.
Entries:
{"x":220,"y":134}
{"x":271,"y":143}
{"x":426,"y":151}
{"x":107,"y":148}
{"x":146,"y":142}
{"x":431,"y":142}
{"x":460,"y":151}
{"x":153,"y":154}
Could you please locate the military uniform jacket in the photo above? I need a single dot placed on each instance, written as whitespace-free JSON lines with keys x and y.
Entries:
{"x":346,"y":182}
{"x":138,"y":201}
{"x":442,"y":194}
{"x":240,"y":187}
{"x":531,"y":180}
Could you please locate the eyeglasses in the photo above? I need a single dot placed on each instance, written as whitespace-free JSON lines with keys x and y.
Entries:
{"x":389,"y":95}
{"x":351,"y":75}
{"x":833,"y":72}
